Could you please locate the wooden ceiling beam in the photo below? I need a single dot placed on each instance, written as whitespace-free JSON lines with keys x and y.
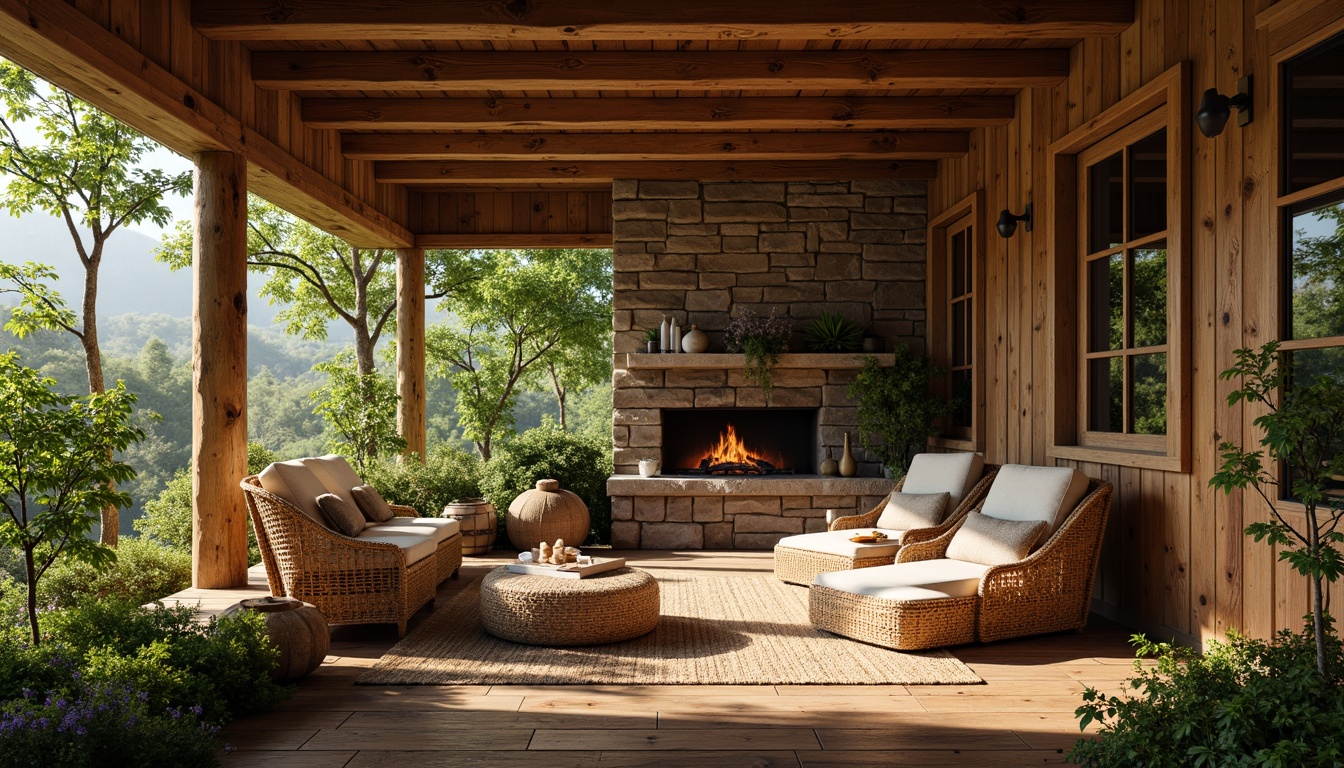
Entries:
{"x":682,"y":20}
{"x":495,"y":240}
{"x":655,"y":146}
{"x":657,"y":70}
{"x":636,"y":113}
{"x":487,"y":172}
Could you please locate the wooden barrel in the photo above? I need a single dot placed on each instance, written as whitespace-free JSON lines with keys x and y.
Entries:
{"x":478,"y":521}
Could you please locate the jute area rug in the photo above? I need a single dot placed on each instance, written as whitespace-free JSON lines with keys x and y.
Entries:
{"x":747,"y":630}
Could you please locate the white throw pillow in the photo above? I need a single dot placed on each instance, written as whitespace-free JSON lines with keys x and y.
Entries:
{"x":905,"y":511}
{"x":990,"y":541}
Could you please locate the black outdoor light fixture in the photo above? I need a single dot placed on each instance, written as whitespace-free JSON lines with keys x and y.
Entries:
{"x":1007,"y":224}
{"x":1215,"y":108}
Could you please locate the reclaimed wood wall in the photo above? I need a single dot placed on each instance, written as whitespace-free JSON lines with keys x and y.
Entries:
{"x":1175,"y":562}
{"x":581,"y":217}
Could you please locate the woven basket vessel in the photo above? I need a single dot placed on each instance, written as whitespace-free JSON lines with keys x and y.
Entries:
{"x":546,"y":514}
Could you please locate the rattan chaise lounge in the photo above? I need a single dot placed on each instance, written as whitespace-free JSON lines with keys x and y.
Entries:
{"x":963,"y":476}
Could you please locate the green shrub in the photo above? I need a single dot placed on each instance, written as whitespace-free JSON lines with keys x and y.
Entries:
{"x":449,"y":473}
{"x":582,"y":464}
{"x":144,"y":571}
{"x":1245,"y":702}
{"x":167,"y":518}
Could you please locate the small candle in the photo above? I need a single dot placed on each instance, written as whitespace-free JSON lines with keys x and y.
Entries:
{"x":830,"y":517}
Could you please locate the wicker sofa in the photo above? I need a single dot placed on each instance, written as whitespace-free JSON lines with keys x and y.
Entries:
{"x":385,"y":574}
{"x":964,"y":476}
{"x":928,"y":600}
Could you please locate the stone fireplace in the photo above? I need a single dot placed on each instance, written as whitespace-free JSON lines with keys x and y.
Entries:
{"x":701,"y":252}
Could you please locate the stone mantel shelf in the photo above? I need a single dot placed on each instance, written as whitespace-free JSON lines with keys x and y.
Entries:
{"x":777,"y":485}
{"x":722,"y":360}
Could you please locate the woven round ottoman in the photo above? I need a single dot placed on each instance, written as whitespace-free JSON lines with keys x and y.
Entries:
{"x":544,"y":610}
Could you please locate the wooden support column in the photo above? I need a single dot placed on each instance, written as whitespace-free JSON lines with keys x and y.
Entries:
{"x":219,"y":378}
{"x":411,"y":349}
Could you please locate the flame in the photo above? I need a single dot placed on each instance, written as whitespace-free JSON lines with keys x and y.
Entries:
{"x":731,"y":450}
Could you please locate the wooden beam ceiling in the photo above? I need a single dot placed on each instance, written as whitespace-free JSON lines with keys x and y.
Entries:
{"x":288,"y":20}
{"x":652,"y":70}
{"x":640,"y":113}
{"x":486,"y":172}
{"x":654,"y":146}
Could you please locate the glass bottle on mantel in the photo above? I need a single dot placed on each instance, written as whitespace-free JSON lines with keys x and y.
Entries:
{"x":848,"y":467}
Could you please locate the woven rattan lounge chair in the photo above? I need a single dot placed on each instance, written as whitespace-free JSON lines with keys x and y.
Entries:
{"x":798,"y":559}
{"x":385,"y":575}
{"x":926,"y":600}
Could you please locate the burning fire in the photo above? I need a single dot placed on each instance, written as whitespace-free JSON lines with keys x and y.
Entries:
{"x":731,"y":450}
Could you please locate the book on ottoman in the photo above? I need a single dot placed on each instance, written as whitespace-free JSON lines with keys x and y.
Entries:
{"x":568,"y":570}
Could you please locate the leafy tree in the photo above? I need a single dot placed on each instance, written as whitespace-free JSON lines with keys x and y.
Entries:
{"x":526,"y":308}
{"x":320,"y":278}
{"x":896,"y":414}
{"x":1303,"y":427}
{"x":56,"y":470}
{"x":361,"y":409}
{"x":86,"y":170}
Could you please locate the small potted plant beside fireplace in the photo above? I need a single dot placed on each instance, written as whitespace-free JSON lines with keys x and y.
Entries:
{"x":761,"y":340}
{"x":897,"y":414}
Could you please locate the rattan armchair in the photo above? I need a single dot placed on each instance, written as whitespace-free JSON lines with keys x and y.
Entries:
{"x":349,"y":580}
{"x":797,"y":565}
{"x":1048,"y":591}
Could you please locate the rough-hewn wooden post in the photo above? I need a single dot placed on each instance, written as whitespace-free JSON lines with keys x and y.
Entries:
{"x":411,"y":348}
{"x":219,"y":380}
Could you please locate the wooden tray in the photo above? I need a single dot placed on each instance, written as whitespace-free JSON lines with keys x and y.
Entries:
{"x":868,"y":539}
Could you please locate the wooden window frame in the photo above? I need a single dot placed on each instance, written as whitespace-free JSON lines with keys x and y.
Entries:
{"x":965,"y":212}
{"x":1161,"y":103}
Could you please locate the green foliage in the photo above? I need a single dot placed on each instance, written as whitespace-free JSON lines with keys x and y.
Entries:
{"x":529,"y":313}
{"x":654,"y":335}
{"x":1245,"y":702}
{"x":448,"y":473}
{"x":833,"y":332}
{"x":1303,"y":426}
{"x":582,"y":464}
{"x":360,"y":412}
{"x":761,"y":340}
{"x":57,"y":470}
{"x":144,"y":571}
{"x":897,"y":414}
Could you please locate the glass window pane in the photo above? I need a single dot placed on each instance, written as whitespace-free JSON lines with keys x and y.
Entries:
{"x":959,"y":333}
{"x":1106,"y":387}
{"x":1148,"y":277}
{"x":1148,"y":186}
{"x":1314,"y":87}
{"x":1106,"y":199}
{"x":961,"y":399}
{"x":1309,"y":366}
{"x":1316,"y":301}
{"x":1149,"y":398}
{"x":1106,"y":302}
{"x":959,"y":278}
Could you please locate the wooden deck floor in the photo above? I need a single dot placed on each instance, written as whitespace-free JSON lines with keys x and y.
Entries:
{"x":1022,"y":716}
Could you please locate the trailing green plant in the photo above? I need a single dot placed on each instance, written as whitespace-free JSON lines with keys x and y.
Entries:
{"x":833,"y":332}
{"x":897,"y":414}
{"x":144,"y":571}
{"x":58,"y":471}
{"x":761,"y":340}
{"x":1244,"y":702}
{"x":582,"y":463}
{"x":1303,"y":426}
{"x":448,"y":473}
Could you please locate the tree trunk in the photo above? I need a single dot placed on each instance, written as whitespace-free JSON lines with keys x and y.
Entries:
{"x":1318,"y":620}
{"x":560,"y":395}
{"x":363,"y":340}
{"x":31,"y":569}
{"x":110,"y":520}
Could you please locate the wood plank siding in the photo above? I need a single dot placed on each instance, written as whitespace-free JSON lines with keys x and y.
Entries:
{"x":1175,"y":560}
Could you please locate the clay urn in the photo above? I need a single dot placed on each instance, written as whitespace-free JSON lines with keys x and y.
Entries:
{"x":546,"y":513}
{"x":298,"y":629}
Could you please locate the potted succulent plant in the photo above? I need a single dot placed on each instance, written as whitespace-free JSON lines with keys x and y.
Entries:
{"x":652,"y":340}
{"x":762,"y":340}
{"x":833,"y":332}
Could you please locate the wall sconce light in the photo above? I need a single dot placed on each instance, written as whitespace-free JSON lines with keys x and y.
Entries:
{"x":1007,"y":223}
{"x":1215,"y":108}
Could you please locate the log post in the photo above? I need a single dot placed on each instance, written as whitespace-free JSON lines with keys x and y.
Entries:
{"x":219,"y":372}
{"x":411,"y":349}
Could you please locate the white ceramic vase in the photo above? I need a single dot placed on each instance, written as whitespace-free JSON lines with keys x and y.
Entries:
{"x":695,"y":341}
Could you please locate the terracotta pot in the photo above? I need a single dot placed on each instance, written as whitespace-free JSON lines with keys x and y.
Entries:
{"x":298,"y":629}
{"x":480,"y":524}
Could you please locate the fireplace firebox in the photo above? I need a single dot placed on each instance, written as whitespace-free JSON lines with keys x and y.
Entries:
{"x":739,"y":441}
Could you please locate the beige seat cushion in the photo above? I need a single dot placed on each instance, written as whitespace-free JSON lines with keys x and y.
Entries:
{"x":922,"y":580}
{"x":372,"y":504}
{"x":838,"y":543}
{"x":1035,"y":493}
{"x":914,"y":510}
{"x":341,"y":516}
{"x":295,"y":483}
{"x":414,"y":545}
{"x":436,"y":528}
{"x":952,"y":473}
{"x":991,"y":541}
{"x":336,"y":475}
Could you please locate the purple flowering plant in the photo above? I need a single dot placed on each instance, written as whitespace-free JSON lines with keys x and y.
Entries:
{"x":762,"y":340}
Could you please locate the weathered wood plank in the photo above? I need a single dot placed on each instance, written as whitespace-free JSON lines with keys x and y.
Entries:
{"x":479,"y":172}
